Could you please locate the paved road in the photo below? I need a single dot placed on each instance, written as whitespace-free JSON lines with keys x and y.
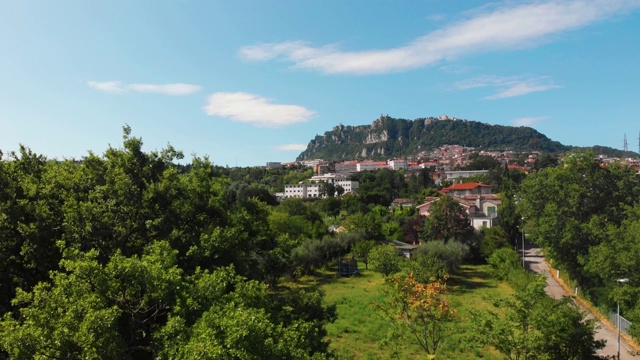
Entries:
{"x":535,"y":262}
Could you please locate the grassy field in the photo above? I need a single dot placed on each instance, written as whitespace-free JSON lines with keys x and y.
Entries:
{"x":359,"y":333}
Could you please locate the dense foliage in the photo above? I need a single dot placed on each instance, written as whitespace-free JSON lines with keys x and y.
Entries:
{"x":128,"y":255}
{"x":530,"y":324}
{"x":585,"y":215}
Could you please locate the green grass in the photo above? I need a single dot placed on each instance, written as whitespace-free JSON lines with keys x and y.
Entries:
{"x":359,"y":333}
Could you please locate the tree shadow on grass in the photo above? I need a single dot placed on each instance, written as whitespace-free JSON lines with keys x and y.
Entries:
{"x":325,"y":276}
{"x":468,"y":279}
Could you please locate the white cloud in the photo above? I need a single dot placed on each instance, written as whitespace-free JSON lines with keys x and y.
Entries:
{"x":254,"y":109}
{"x":166,"y":89}
{"x":506,"y":27}
{"x":509,"y":86}
{"x":292,"y":147}
{"x":521,"y":89}
{"x":108,"y":86}
{"x":528,"y":121}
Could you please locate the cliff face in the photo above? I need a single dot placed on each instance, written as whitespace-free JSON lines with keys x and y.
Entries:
{"x":388,"y":137}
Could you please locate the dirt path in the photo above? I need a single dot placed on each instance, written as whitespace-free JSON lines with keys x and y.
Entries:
{"x":535,"y":262}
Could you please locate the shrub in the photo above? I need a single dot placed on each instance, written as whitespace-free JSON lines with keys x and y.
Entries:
{"x":437,"y":259}
{"x":503,"y":261}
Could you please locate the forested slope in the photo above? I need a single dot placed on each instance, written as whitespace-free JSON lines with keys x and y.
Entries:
{"x":389,"y":137}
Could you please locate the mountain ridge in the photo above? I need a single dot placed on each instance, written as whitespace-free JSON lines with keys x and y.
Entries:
{"x":389,"y":137}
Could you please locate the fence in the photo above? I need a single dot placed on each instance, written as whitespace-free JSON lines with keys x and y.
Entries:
{"x":624,"y":323}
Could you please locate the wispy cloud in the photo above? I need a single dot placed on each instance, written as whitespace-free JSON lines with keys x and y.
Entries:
{"x":456,"y":68}
{"x":528,"y":121}
{"x":254,"y":109}
{"x":166,"y":89}
{"x":487,"y":29}
{"x":509,"y":86}
{"x":108,"y":86}
{"x":292,"y":147}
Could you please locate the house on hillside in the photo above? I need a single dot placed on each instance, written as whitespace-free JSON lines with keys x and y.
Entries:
{"x":403,"y":203}
{"x":482,"y":208}
{"x":424,"y":208}
{"x":403,"y":248}
{"x":485,"y":212}
{"x":470,"y":188}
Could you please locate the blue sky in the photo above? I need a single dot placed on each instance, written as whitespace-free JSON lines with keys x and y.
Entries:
{"x":246,"y":82}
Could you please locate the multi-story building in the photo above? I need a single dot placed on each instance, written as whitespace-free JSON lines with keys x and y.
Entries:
{"x":370,"y":165}
{"x":313,"y":189}
{"x":397,"y":164}
{"x":302,"y":191}
{"x":346,"y":167}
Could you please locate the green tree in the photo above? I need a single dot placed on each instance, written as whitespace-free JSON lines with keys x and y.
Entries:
{"x":32,"y":193}
{"x":437,"y":260}
{"x":331,"y":206}
{"x":560,"y":203}
{"x":143,"y":307}
{"x":327,"y":189}
{"x":531,"y":325}
{"x":617,"y":256}
{"x":492,"y":239}
{"x":385,"y":259}
{"x":504,"y":262}
{"x":361,"y":251}
{"x":448,"y":221}
{"x":482,"y":162}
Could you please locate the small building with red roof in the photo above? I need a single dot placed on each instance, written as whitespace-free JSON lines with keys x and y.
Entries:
{"x":469,"y":188}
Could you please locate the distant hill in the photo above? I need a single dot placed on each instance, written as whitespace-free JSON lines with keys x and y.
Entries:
{"x":389,"y":137}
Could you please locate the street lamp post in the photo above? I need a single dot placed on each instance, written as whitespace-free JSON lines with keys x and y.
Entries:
{"x":620,"y":281}
{"x":523,"y":261}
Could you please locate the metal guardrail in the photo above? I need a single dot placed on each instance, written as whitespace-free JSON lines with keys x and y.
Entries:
{"x":624,"y":323}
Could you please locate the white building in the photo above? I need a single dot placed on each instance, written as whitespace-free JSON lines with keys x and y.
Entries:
{"x":370,"y":166}
{"x":348,"y":186}
{"x":397,"y":164}
{"x":312,"y":190}
{"x":302,"y":191}
{"x":330,"y":178}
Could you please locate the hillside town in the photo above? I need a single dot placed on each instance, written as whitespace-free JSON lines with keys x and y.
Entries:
{"x":447,"y":163}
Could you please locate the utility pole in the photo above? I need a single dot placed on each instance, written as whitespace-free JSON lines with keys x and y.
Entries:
{"x":523,"y":261}
{"x":620,"y":281}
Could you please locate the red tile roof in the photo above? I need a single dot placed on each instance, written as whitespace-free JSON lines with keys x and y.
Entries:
{"x":516,"y":167}
{"x":464,"y":186}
